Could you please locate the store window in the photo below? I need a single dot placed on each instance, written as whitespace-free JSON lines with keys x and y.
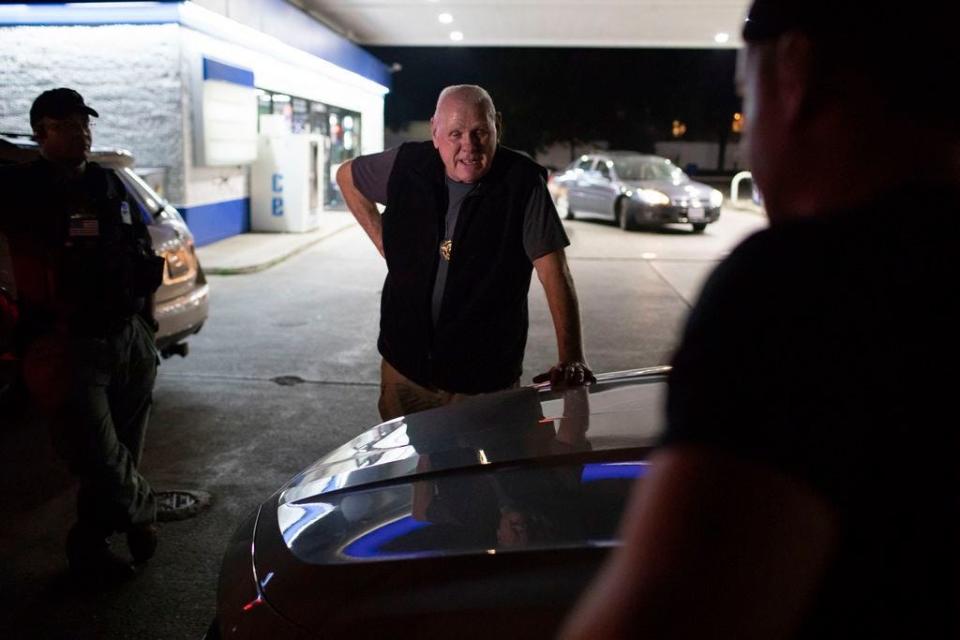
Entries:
{"x":339,"y":127}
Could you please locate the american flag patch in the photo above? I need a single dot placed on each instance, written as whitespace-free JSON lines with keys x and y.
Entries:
{"x":84,"y":227}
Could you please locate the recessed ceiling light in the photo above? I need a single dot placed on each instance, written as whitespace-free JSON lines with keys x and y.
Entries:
{"x":445,"y":18}
{"x":721,"y":38}
{"x":456,"y":36}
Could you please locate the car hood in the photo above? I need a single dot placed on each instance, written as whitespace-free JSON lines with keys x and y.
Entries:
{"x":621,"y":411}
{"x":676,"y":192}
{"x":485,"y":493}
{"x":453,"y":469}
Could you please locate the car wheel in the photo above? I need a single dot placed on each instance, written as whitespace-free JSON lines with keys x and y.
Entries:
{"x":698,"y":227}
{"x":624,"y":218}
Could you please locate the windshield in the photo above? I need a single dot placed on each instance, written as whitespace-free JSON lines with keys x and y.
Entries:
{"x":152,"y":203}
{"x":648,"y":169}
{"x":144,"y":194}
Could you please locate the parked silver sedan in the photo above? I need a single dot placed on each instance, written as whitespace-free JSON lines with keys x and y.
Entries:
{"x":634,"y":190}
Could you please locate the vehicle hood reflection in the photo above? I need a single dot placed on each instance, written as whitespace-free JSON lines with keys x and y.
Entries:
{"x":521,"y":469}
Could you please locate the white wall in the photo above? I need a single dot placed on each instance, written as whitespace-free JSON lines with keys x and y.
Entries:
{"x":129,"y":74}
{"x":557,"y":155}
{"x":703,"y":154}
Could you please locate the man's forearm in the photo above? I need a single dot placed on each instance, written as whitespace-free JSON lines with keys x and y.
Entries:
{"x":566,"y":320}
{"x":561,"y":295}
{"x":364,"y":210}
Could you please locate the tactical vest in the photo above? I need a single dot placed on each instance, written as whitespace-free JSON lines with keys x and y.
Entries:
{"x":84,"y":263}
{"x":478,"y":342}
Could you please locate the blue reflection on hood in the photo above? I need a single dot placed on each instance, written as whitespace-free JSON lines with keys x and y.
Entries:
{"x":368,"y":545}
{"x":613,"y":471}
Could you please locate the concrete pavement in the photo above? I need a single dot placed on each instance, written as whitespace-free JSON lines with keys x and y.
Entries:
{"x":252,"y":252}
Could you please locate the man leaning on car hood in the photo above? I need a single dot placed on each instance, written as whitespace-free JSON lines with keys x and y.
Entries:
{"x":466,"y":222}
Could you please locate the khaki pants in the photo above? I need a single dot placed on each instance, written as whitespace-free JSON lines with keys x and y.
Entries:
{"x":400,"y":396}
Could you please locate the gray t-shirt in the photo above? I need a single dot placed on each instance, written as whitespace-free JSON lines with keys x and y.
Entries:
{"x":543,"y":232}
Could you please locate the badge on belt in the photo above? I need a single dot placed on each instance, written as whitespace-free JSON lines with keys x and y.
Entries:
{"x":125,"y":212}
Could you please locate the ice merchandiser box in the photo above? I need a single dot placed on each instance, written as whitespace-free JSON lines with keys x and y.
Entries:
{"x":286,"y":189}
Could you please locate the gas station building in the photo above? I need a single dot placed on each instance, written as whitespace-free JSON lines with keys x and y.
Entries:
{"x":239,"y":120}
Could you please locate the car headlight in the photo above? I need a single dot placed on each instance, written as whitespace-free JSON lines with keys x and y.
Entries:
{"x":716,"y":199}
{"x":652,"y":196}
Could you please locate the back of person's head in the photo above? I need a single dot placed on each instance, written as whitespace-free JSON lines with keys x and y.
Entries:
{"x":901,"y":54}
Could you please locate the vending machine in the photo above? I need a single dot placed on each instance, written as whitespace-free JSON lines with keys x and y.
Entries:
{"x":286,"y":183}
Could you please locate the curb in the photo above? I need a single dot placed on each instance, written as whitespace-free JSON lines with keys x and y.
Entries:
{"x":254,"y":268}
{"x":746,"y":207}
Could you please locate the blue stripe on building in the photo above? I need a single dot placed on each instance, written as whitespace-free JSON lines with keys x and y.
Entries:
{"x":216,"y":70}
{"x":218,"y":220}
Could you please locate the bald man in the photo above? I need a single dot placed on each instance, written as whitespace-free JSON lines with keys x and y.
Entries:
{"x":466,"y":222}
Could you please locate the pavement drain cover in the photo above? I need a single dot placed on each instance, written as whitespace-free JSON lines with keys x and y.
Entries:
{"x":288,"y":381}
{"x":180,"y":504}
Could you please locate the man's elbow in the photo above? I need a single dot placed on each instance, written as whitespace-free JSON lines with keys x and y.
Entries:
{"x":345,"y":175}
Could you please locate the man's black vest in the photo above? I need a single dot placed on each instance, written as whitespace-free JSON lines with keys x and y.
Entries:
{"x":478,"y":342}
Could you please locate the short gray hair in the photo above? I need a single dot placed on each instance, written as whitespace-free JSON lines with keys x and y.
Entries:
{"x":468,"y":93}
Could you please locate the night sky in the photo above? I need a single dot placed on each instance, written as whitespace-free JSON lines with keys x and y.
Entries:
{"x":628,"y":97}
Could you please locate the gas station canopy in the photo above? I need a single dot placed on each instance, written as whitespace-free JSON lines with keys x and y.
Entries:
{"x":536,"y":23}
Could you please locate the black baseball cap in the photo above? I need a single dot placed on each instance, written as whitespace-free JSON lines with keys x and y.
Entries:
{"x":58,"y":103}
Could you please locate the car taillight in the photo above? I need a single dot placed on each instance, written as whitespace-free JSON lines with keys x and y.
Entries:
{"x":180,"y":265}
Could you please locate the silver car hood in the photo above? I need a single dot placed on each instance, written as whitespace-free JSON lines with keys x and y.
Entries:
{"x":439,"y":483}
{"x":622,"y":410}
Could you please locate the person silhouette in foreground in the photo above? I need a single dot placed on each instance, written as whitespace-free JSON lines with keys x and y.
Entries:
{"x":806,"y":486}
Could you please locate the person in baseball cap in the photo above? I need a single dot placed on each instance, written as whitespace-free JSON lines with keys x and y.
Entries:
{"x":805,"y":484}
{"x":58,"y":104}
{"x":86,"y":272}
{"x":61,"y":124}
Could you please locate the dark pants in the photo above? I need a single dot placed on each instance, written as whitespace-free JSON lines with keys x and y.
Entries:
{"x":96,"y":394}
